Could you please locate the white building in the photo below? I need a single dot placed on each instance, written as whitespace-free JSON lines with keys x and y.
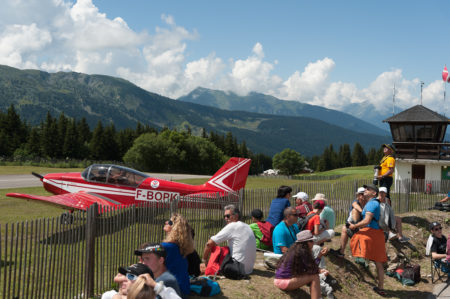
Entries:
{"x":421,"y":154}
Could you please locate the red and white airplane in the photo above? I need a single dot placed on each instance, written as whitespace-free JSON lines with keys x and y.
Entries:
{"x":114,"y":186}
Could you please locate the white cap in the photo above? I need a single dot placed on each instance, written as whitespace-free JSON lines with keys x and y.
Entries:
{"x":361,"y":190}
{"x":382,"y":189}
{"x":319,"y":196}
{"x":301,"y":195}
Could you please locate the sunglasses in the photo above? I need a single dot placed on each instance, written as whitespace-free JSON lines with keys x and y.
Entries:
{"x":296,"y":215}
{"x":437,"y":229}
{"x":131,"y":276}
{"x":227,"y":216}
{"x":169,"y":222}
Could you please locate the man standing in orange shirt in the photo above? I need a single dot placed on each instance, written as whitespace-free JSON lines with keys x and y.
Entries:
{"x":387,"y":165}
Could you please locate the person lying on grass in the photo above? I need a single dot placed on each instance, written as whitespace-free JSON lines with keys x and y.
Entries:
{"x":297,"y":266}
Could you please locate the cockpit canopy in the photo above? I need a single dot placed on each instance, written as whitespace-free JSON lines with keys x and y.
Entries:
{"x":113,"y":174}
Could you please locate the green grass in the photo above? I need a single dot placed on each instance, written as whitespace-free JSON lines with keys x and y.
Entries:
{"x":17,"y":209}
{"x":359,"y":172}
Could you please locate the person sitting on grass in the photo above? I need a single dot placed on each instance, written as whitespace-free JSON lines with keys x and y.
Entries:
{"x":178,"y":243}
{"x":398,"y":221}
{"x":439,"y":248}
{"x":302,"y":205}
{"x":143,"y":285}
{"x":319,"y":229}
{"x":154,"y":256}
{"x":241,"y":242}
{"x":123,"y":283}
{"x":278,"y":205}
{"x":297,"y":267}
{"x":353,"y":217}
{"x":257,"y":216}
{"x":327,"y":215}
{"x":284,"y":234}
{"x":368,"y":242}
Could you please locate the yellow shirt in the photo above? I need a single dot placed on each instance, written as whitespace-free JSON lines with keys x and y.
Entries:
{"x":387,"y":163}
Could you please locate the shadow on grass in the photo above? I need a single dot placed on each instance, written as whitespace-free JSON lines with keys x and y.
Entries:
{"x":350,"y":267}
{"x":418,"y":222}
{"x":414,"y":294}
{"x":263,"y":273}
{"x":298,"y":294}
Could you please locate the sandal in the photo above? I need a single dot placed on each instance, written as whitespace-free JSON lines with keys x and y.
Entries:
{"x":379,"y":291}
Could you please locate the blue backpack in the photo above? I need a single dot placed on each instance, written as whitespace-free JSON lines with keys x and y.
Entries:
{"x":204,"y":286}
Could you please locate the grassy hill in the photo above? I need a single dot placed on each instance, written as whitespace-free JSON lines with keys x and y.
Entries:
{"x":109,"y":99}
{"x":350,"y":279}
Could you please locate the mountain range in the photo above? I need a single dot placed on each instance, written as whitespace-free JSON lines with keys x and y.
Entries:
{"x":261,"y":103}
{"x":109,"y":99}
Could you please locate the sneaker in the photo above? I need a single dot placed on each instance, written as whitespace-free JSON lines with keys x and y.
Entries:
{"x":392,"y":236}
{"x":404,"y":239}
{"x":337,"y":252}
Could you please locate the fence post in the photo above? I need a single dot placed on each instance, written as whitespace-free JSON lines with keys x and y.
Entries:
{"x":91,"y":231}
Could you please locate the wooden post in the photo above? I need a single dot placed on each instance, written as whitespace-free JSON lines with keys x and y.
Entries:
{"x":91,"y":230}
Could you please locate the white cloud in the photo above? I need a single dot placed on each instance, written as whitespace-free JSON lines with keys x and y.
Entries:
{"x":309,"y":84}
{"x":253,"y":74}
{"x":17,"y":40}
{"x":57,"y":35}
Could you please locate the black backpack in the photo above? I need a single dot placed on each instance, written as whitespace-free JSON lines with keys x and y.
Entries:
{"x":301,"y":223}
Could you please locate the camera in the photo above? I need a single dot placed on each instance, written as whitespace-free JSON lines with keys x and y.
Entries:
{"x":376,"y":170}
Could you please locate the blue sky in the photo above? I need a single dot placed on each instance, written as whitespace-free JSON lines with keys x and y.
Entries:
{"x":329,"y":53}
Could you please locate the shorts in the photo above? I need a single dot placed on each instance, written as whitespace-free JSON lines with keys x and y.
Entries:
{"x":281,"y":283}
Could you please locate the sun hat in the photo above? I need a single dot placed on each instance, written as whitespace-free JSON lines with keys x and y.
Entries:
{"x":383,"y":189}
{"x":389,"y":146}
{"x":155,"y":248}
{"x":319,"y":196}
{"x":301,"y":195}
{"x":361,"y":190}
{"x":304,"y":236}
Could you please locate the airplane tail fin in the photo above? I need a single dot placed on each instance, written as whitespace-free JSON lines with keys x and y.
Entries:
{"x":232,"y":176}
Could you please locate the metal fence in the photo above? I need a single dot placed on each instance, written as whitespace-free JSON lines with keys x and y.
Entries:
{"x":49,"y":259}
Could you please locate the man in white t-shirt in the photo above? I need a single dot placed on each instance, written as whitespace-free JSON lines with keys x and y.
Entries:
{"x":240,"y":238}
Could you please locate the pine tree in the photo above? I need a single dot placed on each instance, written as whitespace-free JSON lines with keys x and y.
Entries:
{"x":359,"y":157}
{"x":71,"y":147}
{"x":49,"y":136}
{"x":62,"y":129}
{"x":372,"y":156}
{"x":96,"y":145}
{"x":110,"y":146}
{"x":345,"y":156}
{"x":33,"y":145}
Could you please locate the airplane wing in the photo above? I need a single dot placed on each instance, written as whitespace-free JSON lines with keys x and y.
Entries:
{"x":74,"y":201}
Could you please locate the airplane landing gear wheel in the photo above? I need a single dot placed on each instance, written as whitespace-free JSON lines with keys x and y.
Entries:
{"x":66,"y":218}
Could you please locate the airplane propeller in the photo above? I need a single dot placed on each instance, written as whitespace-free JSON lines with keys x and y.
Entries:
{"x":37,"y":175}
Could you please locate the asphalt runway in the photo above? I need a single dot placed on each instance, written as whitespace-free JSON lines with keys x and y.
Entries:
{"x":28,"y":180}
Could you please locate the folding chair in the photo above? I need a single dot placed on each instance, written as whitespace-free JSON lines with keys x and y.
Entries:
{"x":436,"y":266}
{"x":437,"y":271}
